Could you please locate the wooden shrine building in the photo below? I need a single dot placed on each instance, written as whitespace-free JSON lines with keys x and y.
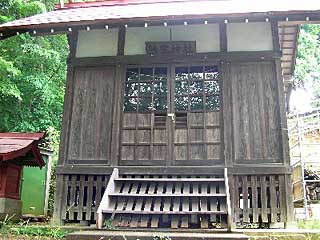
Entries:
{"x":174,"y":113}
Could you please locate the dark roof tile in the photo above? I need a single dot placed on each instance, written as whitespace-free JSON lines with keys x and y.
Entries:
{"x":158,"y":10}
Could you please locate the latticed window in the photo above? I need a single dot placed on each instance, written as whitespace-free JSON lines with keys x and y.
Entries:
{"x":197,"y":88}
{"x":192,"y":88}
{"x":146,"y":89}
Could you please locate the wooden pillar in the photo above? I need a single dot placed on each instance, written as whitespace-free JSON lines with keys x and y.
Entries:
{"x":223,"y":37}
{"x":65,"y":129}
{"x":121,"y":40}
{"x":289,"y":202}
{"x":57,"y":218}
{"x":284,"y":127}
{"x":67,"y":105}
{"x":117,"y":97}
{"x":226,"y":120}
{"x":117,"y":113}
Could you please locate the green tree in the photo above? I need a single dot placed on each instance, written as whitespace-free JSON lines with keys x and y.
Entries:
{"x":307,"y":71}
{"x":32,"y":74}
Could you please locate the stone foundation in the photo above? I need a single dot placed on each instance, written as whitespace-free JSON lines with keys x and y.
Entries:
{"x":11,"y":208}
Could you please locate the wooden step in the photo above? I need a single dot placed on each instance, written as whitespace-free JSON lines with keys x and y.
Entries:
{"x":164,"y":212}
{"x":168,"y":195}
{"x":169,"y":180}
{"x":171,"y":202}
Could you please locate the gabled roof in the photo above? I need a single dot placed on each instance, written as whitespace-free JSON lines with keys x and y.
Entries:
{"x":135,"y":10}
{"x":15,"y":146}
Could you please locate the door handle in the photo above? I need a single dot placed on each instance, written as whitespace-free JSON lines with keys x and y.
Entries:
{"x":173,"y":116}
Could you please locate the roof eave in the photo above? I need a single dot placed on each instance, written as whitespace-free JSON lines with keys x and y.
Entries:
{"x":288,"y":17}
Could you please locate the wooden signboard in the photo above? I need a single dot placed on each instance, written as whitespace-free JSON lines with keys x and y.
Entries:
{"x":185,"y":48}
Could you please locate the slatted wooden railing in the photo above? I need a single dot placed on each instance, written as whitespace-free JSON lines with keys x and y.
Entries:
{"x":162,"y":201}
{"x":259,"y":199}
{"x":81,"y":196}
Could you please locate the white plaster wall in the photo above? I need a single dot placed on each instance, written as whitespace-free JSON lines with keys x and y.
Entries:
{"x":97,"y":43}
{"x":241,"y":37}
{"x":137,"y":36}
{"x":207,"y":36}
{"x":249,"y":37}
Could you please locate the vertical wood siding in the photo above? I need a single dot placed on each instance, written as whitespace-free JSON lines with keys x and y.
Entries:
{"x":256,"y":120}
{"x":91,"y":120}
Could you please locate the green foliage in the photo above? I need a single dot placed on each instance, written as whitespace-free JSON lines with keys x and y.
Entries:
{"x":4,"y":224}
{"x":32,"y":75}
{"x":13,"y":9}
{"x":32,"y":82}
{"x":55,"y":233}
{"x":108,"y":224}
{"x":9,"y":228}
{"x":307,"y":72}
{"x":52,"y":189}
{"x":310,"y":224}
{"x":7,"y":73}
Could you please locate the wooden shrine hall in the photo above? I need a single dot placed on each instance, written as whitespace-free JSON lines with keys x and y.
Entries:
{"x":174,"y":112}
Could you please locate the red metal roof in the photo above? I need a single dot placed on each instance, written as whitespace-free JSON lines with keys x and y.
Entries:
{"x":139,"y":10}
{"x":14,"y":145}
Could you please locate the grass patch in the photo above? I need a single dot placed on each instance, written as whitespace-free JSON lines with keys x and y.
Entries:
{"x":9,"y":229}
{"x":310,"y":224}
{"x":50,"y":232}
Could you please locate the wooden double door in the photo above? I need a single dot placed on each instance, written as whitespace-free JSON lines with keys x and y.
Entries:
{"x":171,"y":115}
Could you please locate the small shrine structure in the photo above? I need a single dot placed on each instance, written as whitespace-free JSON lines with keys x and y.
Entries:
{"x":16,"y":151}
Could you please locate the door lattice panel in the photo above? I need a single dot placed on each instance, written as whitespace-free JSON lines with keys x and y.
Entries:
{"x":165,"y":201}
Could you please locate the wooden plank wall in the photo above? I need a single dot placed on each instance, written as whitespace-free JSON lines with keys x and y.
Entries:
{"x":255,"y":113}
{"x":91,"y":116}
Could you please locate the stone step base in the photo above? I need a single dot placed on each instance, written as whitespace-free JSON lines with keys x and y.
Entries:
{"x":149,"y":235}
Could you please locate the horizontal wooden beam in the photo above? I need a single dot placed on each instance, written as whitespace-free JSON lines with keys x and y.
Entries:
{"x":200,"y":57}
{"x":287,"y":34}
{"x":142,"y":170}
{"x":241,"y":169}
{"x":248,"y":169}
